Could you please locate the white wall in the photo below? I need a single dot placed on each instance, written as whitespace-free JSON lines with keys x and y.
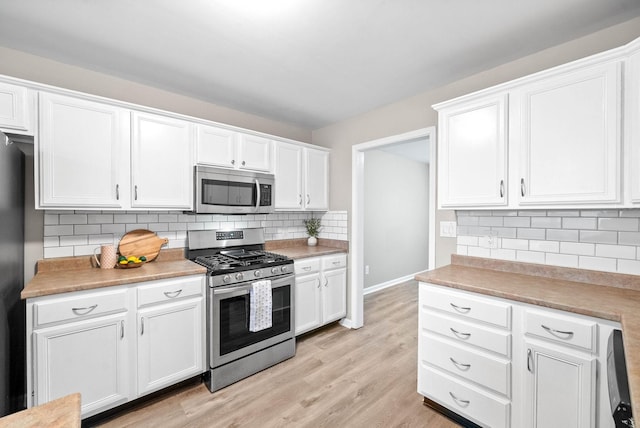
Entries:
{"x":396,"y":207}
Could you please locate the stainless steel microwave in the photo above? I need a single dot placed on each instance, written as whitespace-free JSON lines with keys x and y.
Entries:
{"x":227,"y":191}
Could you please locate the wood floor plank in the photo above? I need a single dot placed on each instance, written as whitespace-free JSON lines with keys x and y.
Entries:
{"x":338,"y":378}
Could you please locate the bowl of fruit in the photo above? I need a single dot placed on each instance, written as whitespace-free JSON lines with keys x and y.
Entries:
{"x":131,"y":262}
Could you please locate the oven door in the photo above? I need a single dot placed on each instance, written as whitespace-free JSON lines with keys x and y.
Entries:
{"x":228,"y":318}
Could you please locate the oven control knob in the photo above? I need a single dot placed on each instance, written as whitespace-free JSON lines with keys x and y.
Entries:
{"x":274,"y":270}
{"x":285,"y":268}
{"x":257,"y":273}
{"x":226,"y":278}
{"x":239,"y":276}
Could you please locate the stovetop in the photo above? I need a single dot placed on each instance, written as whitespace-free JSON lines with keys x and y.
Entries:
{"x":239,"y":260}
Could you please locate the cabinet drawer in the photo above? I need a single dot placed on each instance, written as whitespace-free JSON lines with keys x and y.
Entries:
{"x":466,"y":305}
{"x":334,"y":262}
{"x":167,"y":290}
{"x":491,"y":372}
{"x":79,"y":307}
{"x":473,"y":403}
{"x":562,"y":329}
{"x":305,"y":266}
{"x":497,"y":341}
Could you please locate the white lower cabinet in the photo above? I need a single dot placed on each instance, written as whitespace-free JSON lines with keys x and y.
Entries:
{"x":99,"y":342}
{"x":321,"y":291}
{"x":543,"y":368}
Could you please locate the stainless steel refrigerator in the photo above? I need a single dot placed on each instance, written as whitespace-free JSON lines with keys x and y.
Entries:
{"x":12,"y":308}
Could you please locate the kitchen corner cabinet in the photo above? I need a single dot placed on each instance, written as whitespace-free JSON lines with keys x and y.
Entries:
{"x":230,"y":149}
{"x":321,"y":291}
{"x":302,"y":178}
{"x":17,"y":109}
{"x":502,"y":363}
{"x":161,"y":162}
{"x":82,"y":153}
{"x":473,"y":153}
{"x":632,"y":121}
{"x":93,"y":342}
{"x":568,"y":129}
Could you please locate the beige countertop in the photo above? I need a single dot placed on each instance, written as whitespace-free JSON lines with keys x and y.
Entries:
{"x":298,"y":248}
{"x":67,"y":274}
{"x":604,"y":295}
{"x":61,"y":413}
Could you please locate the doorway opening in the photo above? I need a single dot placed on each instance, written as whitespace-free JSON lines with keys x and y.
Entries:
{"x":357,"y":242}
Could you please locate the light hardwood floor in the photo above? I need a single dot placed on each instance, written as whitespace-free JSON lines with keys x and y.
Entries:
{"x":338,"y":378}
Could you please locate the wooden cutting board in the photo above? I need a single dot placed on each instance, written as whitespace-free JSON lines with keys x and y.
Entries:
{"x":141,"y":242}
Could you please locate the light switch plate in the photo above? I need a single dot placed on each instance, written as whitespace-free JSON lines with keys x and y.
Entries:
{"x":448,"y":229}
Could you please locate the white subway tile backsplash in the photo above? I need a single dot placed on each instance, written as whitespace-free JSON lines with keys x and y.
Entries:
{"x":80,"y":232}
{"x":607,"y":240}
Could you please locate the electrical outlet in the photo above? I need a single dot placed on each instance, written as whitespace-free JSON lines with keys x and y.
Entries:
{"x":366,"y":270}
{"x":490,"y":241}
{"x":448,"y":229}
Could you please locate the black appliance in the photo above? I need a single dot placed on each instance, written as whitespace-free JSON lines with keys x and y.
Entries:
{"x":619,"y":397}
{"x":234,"y":260}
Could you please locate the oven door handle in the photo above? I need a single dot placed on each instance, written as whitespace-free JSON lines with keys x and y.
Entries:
{"x":236,"y":290}
{"x":240,"y":290}
{"x":258,"y":196}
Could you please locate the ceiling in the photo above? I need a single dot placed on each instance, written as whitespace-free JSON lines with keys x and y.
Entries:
{"x":308,"y":63}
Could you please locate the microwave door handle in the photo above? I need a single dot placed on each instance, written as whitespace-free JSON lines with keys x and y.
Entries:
{"x":258,"y":198}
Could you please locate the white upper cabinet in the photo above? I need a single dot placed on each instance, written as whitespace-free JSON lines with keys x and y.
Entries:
{"x":316,"y":174}
{"x":82,"y":153}
{"x":302,"y":178}
{"x":568,"y":131}
{"x":473,"y":153}
{"x":288,"y":172}
{"x":549,"y":140}
{"x":231,"y":149}
{"x":161,"y":162}
{"x":632,"y":121}
{"x":17,"y":109}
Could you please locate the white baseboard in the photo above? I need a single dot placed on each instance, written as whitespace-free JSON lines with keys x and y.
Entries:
{"x":390,"y":283}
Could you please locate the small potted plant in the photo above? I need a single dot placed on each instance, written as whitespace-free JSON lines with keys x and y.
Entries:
{"x":313,"y":228}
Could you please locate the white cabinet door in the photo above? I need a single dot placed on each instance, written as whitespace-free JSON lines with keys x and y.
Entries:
{"x":316,"y":173}
{"x":170,"y":344}
{"x":161,"y":162}
{"x":254,"y":153}
{"x":288,"y":174}
{"x":15,"y":102}
{"x":81,"y":153}
{"x":473,"y":154}
{"x":632,"y":121}
{"x":308,"y":304}
{"x":334,"y":295}
{"x":569,"y":139}
{"x":89,"y":357}
{"x":215,"y":146}
{"x":560,"y":388}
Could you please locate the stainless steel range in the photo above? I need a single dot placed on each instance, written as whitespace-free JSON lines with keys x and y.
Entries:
{"x":236,"y":262}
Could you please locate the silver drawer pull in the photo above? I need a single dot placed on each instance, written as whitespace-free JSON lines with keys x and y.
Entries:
{"x":306,"y":268}
{"x":84,"y":311}
{"x":554,"y":332}
{"x":460,"y":366}
{"x":336,"y":263}
{"x":461,"y":309}
{"x":529,"y":360}
{"x":173,"y":294}
{"x":460,"y":334}
{"x":461,"y":402}
{"x":121,"y":329}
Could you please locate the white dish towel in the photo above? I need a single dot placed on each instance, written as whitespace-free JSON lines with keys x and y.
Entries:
{"x":261,"y":305}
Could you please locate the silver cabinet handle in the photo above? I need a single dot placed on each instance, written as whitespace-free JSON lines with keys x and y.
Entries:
{"x":318,"y":283}
{"x":461,"y":402}
{"x":122,"y":329}
{"x":141,"y":326}
{"x":173,"y":294}
{"x":555,"y":332}
{"x":460,"y":366}
{"x":460,"y":334}
{"x":300,"y":200}
{"x":326,"y":282}
{"x":461,"y":309}
{"x":529,"y":361}
{"x":135,"y":191}
{"x":84,"y":311}
{"x":117,"y":192}
{"x":243,"y":163}
{"x":502,"y":188}
{"x":233,"y":161}
{"x":308,"y":199}
{"x":522,"y":187}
